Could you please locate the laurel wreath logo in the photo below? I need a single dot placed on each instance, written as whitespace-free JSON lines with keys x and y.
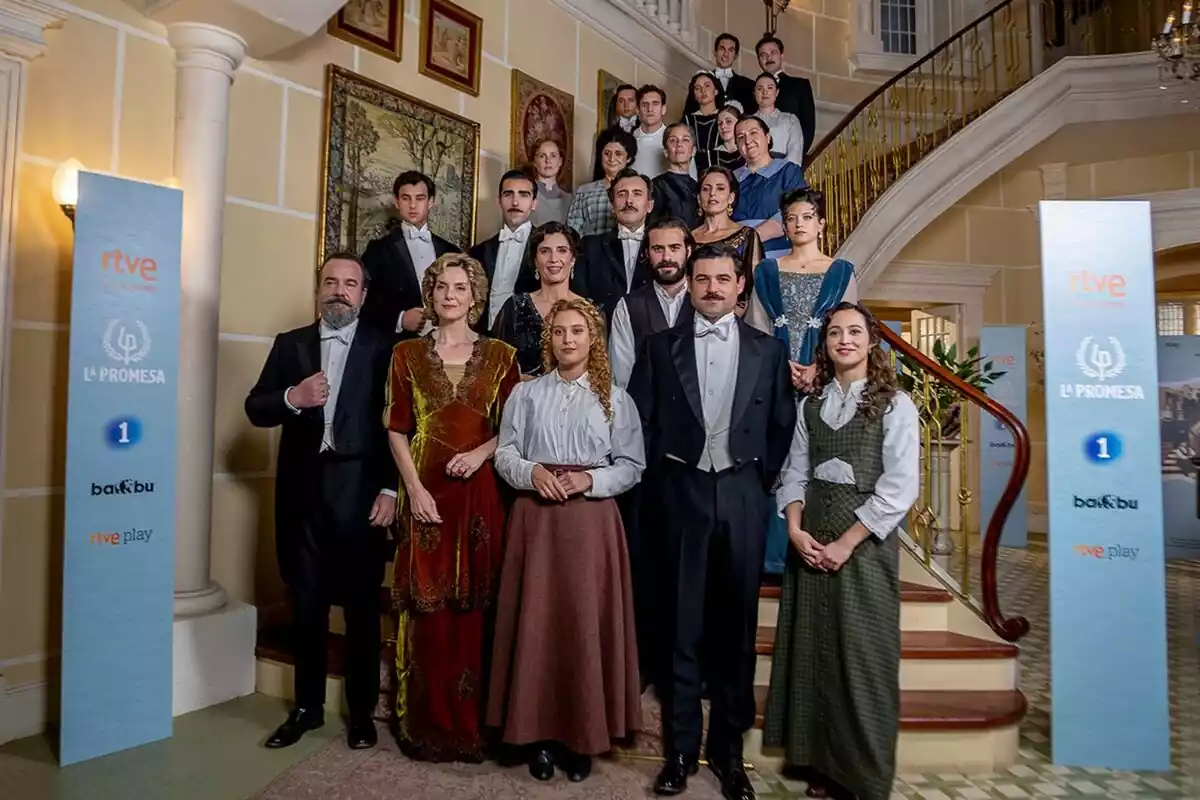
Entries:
{"x":124,"y":346}
{"x":1098,"y":363}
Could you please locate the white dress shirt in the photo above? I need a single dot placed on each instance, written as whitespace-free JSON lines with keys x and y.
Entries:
{"x":899,"y":485}
{"x":651,"y":158}
{"x":717,"y":345}
{"x":621,"y":350}
{"x":723,"y":75}
{"x":508,"y":266}
{"x":628,"y":123}
{"x":420,"y":250}
{"x":549,"y":420}
{"x":787,"y":137}
{"x":631,"y":245}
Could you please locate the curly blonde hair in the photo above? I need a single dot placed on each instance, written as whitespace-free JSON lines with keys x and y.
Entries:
{"x":598,"y":370}
{"x":475,"y":276}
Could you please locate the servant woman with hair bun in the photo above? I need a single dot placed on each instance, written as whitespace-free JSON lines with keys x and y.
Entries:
{"x":851,"y":476}
{"x":565,"y":664}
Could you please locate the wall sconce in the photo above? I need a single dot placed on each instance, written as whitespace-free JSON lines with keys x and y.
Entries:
{"x":65,"y":187}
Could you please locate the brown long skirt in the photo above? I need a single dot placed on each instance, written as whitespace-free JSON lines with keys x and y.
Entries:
{"x":565,"y":662}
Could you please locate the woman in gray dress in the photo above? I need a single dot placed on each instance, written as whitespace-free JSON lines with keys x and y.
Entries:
{"x":553,"y":201}
{"x":851,"y":476}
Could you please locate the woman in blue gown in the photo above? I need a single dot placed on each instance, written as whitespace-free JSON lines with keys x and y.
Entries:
{"x":792,"y":294}
{"x":763,"y":181}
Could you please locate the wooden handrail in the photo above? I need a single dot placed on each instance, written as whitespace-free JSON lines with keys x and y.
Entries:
{"x":829,"y":138}
{"x":1009,"y":629}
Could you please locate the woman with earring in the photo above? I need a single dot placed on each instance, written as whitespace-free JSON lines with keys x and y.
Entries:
{"x":718,"y":197}
{"x":445,"y":394}
{"x":552,"y":200}
{"x":564,"y":677}
{"x":851,"y":476}
{"x":792,"y":294}
{"x":705,"y":96}
{"x":519,"y":323}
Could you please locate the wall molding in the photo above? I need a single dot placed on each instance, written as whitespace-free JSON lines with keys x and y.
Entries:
{"x":1075,"y":90}
{"x":1175,"y":216}
{"x":23,"y":710}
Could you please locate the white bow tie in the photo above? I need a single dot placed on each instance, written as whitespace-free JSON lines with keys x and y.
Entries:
{"x":720,"y":329}
{"x":624,"y":234}
{"x":726,"y":72}
{"x":514,"y":236}
{"x":328,"y":334}
{"x":627,"y":123}
{"x":414,"y":234}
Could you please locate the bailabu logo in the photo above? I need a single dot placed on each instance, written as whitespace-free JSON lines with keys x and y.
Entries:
{"x":1106,"y":502}
{"x":129,"y":486}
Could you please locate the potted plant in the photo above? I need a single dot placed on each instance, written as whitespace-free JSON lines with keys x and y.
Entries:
{"x":941,"y":407}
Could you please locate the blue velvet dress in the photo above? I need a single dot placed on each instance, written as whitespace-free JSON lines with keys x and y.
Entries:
{"x":796,"y":303}
{"x":759,"y":195}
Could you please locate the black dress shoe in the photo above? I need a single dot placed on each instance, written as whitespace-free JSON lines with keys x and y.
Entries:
{"x":541,"y":763}
{"x":298,"y":723}
{"x":673,"y":777}
{"x":735,"y":783}
{"x":577,"y":766}
{"x":361,"y":733}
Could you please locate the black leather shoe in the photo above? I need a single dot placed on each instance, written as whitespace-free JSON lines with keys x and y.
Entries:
{"x":361,"y":733}
{"x":298,"y":723}
{"x":735,"y":783}
{"x":673,"y":777}
{"x":541,"y":763}
{"x":577,"y":766}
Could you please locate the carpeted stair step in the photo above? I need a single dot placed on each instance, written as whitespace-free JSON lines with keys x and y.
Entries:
{"x":943,"y":711}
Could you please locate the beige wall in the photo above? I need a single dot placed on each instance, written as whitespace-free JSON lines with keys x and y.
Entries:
{"x":995,"y":226}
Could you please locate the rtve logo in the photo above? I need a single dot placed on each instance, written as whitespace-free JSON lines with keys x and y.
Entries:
{"x":1092,"y":288}
{"x":131,"y":272}
{"x":1114,"y":552}
{"x":119,"y":538}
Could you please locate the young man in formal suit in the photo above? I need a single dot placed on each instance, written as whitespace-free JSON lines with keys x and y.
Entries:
{"x":505,"y":257}
{"x":397,"y":260}
{"x":335,"y":483}
{"x":726,"y":49}
{"x":615,"y":263}
{"x":715,"y":398}
{"x":795,"y":94}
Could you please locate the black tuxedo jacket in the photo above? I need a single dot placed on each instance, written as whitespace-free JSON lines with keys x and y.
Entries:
{"x":796,"y":97}
{"x":486,"y":253}
{"x":741,"y":88}
{"x":358,"y":434}
{"x":600,"y":271}
{"x":394,"y":285}
{"x":665,"y":385}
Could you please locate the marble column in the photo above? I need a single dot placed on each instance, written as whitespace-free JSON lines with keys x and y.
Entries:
{"x":207,"y":59}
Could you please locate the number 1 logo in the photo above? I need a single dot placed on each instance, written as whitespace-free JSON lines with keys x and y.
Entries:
{"x":123,"y":433}
{"x":1103,"y":447}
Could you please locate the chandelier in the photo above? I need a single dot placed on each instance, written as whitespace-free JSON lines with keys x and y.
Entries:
{"x":1179,"y":45}
{"x":774,"y":9}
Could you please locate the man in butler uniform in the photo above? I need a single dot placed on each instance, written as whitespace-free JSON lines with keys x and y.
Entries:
{"x":726,"y":49}
{"x":334,"y":492}
{"x":505,"y":257}
{"x":397,"y":260}
{"x":616,"y":263}
{"x":715,"y":398}
{"x":795,"y":93}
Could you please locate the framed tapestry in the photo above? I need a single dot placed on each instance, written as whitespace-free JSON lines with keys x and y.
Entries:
{"x":451,"y":44}
{"x":377,"y":25}
{"x":606,"y":90}
{"x":372,"y":134}
{"x":541,"y":112}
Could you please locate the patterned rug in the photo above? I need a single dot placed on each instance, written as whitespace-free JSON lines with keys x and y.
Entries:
{"x":337,"y":773}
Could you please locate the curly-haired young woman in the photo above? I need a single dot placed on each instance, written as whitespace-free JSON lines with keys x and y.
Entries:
{"x":851,"y":476}
{"x":565,"y":664}
{"x":446,"y":391}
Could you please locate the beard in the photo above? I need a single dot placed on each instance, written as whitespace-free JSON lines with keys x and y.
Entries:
{"x":338,"y":313}
{"x":668,"y":273}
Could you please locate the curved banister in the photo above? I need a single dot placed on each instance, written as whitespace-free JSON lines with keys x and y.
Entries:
{"x":1010,"y":629}
{"x":899,"y":77}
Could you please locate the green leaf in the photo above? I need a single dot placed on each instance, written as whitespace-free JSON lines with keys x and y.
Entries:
{"x":988,"y":366}
{"x":938,"y":349}
{"x":952,"y":353}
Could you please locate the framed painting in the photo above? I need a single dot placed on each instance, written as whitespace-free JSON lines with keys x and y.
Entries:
{"x":541,"y":112}
{"x":372,"y":134}
{"x":606,"y":90}
{"x":451,"y":44}
{"x":377,"y":25}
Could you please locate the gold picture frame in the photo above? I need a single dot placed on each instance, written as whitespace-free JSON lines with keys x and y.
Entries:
{"x":375,"y":25}
{"x":541,"y":112}
{"x":451,"y":45}
{"x":372,"y":134}
{"x":606,"y":89}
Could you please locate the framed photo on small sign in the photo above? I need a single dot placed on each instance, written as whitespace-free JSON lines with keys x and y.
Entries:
{"x":451,"y":44}
{"x":377,"y":25}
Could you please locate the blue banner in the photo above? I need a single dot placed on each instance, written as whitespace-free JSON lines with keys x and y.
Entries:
{"x":1107,"y":594}
{"x":1004,"y":346}
{"x":119,"y":550}
{"x":1179,"y":424}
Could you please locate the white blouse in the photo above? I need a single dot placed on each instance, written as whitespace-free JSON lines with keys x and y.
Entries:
{"x":787,"y":135}
{"x":550,"y":420}
{"x":899,"y":485}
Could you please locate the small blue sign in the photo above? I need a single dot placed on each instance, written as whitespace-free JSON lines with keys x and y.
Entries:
{"x":1004,"y":346}
{"x":1103,"y":447}
{"x":123,"y":433}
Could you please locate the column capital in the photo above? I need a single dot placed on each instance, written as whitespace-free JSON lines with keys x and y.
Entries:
{"x":23,"y":24}
{"x":201,"y":46}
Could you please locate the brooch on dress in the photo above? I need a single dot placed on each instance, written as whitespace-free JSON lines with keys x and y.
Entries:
{"x":780,"y":321}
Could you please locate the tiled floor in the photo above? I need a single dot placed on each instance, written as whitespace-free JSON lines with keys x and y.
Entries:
{"x":216,"y":754}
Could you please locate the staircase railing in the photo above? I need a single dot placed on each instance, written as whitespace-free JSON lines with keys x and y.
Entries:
{"x":884,"y":136}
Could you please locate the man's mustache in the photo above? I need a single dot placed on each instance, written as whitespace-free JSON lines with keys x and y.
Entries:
{"x":629,"y":207}
{"x":667,"y":264}
{"x":713,"y":296}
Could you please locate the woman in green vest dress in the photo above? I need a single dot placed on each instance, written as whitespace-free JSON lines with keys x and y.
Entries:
{"x":851,"y":476}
